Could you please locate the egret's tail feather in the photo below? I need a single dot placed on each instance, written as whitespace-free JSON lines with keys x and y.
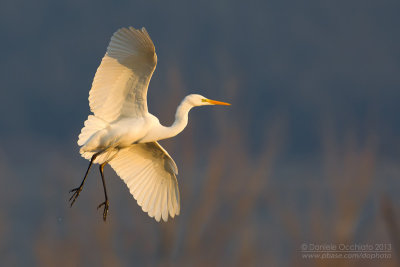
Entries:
{"x":92,"y":125}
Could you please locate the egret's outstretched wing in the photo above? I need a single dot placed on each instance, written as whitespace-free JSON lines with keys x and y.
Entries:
{"x":150,"y":174}
{"x":120,"y":85}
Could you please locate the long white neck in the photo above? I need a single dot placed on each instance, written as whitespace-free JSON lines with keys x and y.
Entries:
{"x":181,"y":120}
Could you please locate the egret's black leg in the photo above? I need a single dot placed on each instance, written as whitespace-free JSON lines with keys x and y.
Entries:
{"x":105,"y":203}
{"x":76,"y":191}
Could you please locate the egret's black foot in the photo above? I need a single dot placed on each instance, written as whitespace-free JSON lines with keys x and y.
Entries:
{"x":105,"y":204}
{"x":76,"y":192}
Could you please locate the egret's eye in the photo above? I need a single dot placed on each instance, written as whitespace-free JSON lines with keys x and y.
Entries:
{"x":204,"y":100}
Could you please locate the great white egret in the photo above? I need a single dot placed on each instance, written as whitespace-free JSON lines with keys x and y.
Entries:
{"x":124,"y":134}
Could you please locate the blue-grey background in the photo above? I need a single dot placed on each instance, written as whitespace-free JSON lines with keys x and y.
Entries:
{"x":308,"y":152}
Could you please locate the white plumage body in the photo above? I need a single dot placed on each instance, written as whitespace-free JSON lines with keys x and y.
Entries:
{"x":120,"y":134}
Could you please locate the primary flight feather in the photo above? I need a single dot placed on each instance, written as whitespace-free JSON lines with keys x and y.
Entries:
{"x":123,"y":134}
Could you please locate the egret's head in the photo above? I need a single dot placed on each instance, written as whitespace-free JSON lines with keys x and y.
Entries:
{"x":199,"y":100}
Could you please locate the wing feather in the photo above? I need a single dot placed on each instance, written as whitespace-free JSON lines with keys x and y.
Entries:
{"x":139,"y":183}
{"x":119,"y":88}
{"x":170,"y":205}
{"x":150,"y":174}
{"x":156,"y":209}
{"x":145,"y":206}
{"x":141,"y":190}
{"x":153,"y":198}
{"x":164,"y":203}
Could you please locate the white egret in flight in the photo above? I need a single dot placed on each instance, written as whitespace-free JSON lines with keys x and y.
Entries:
{"x":124,"y":134}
